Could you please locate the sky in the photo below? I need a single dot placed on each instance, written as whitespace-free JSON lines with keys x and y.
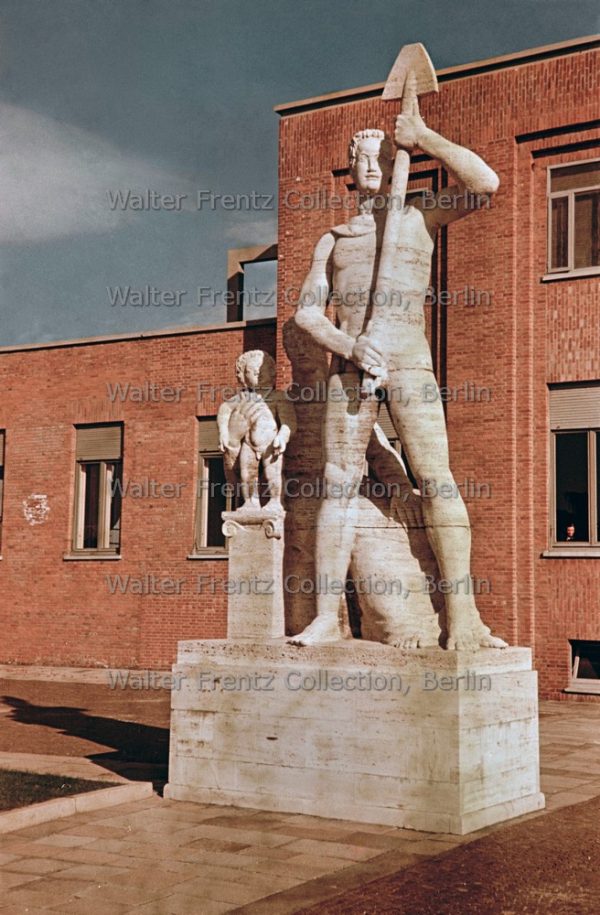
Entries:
{"x":104,"y":103}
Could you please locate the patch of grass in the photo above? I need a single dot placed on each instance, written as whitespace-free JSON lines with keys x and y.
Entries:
{"x":19,"y":789}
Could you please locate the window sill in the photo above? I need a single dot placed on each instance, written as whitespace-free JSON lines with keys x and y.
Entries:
{"x":571,"y":275}
{"x":209,"y":554}
{"x":592,"y":688}
{"x":582,"y":552}
{"x":103,"y":557}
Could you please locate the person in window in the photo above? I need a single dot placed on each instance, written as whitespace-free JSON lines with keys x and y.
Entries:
{"x":570,"y":534}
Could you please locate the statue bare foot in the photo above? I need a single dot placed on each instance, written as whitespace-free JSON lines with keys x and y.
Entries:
{"x":273,"y":506}
{"x":470,"y":635}
{"x":405,"y":640}
{"x":322,"y":630}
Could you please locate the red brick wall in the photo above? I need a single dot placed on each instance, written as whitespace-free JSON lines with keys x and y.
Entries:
{"x":62,"y":612}
{"x":520,"y":119}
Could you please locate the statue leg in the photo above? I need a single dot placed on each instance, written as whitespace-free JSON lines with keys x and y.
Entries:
{"x":347,"y":427}
{"x":421,"y":426}
{"x":249,"y":476}
{"x":272,"y":470}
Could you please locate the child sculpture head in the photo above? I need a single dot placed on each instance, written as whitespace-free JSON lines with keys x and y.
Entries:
{"x":255,"y":369}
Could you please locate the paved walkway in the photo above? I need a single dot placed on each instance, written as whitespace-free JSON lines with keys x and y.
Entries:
{"x":169,"y":858}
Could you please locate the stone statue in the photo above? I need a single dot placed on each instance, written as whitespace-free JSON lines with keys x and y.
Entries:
{"x":344,"y":269}
{"x":255,"y":427}
{"x":389,"y":544}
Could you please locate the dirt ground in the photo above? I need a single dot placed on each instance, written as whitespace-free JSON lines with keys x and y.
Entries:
{"x":547,"y":865}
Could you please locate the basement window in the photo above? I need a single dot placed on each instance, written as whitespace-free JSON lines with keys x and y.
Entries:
{"x":585,"y":670}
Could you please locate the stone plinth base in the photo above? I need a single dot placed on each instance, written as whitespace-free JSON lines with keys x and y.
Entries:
{"x":435,"y":740}
{"x":255,"y":601}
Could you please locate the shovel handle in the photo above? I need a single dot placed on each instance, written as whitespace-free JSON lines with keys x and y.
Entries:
{"x":391,"y":233}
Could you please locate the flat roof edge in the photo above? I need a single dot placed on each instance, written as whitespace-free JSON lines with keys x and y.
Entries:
{"x":474,"y":68}
{"x":139,"y":335}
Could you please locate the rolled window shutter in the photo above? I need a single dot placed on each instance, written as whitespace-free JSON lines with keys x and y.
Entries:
{"x":99,"y":443}
{"x":208,"y":434}
{"x":575,"y":408}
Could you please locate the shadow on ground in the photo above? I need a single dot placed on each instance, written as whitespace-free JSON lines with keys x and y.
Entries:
{"x":140,"y":751}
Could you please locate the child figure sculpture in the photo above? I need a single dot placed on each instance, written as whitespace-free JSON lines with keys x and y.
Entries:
{"x":255,"y":427}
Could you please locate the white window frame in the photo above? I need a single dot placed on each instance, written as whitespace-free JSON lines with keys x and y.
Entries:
{"x":570,"y":269}
{"x":592,"y":545}
{"x":588,"y":685}
{"x":104,"y":509}
{"x":201,"y":514}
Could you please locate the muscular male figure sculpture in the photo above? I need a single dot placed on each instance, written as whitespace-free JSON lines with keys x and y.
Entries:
{"x":344,"y":268}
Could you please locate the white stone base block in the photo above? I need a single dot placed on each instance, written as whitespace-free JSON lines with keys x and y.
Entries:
{"x":435,"y":740}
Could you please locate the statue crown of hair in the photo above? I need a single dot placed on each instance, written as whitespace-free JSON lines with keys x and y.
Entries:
{"x":386,"y":147}
{"x":256,"y":356}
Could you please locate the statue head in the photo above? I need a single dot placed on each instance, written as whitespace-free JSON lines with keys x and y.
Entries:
{"x":371,"y":156}
{"x":255,"y":369}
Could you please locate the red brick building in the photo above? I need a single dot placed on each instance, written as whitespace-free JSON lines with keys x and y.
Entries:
{"x":515,"y":334}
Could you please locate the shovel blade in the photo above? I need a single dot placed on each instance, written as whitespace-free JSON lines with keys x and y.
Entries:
{"x":413,"y":58}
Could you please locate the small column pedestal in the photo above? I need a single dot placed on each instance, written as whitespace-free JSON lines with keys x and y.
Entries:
{"x":255,"y":609}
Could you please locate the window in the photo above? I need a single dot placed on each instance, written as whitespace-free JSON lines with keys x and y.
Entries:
{"x":213,"y":495}
{"x":2,"y":434}
{"x":251,"y":282}
{"x":585,"y":670}
{"x":575,"y":459}
{"x":574,"y":217}
{"x":98,"y":488}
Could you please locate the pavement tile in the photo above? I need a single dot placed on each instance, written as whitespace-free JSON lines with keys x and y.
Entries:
{"x":303,"y":819}
{"x":234,"y":893}
{"x":64,"y":840}
{"x":84,"y":855}
{"x":292,"y":868}
{"x":34,"y":866}
{"x":380,"y":840}
{"x":124,"y":895}
{"x":248,"y":821}
{"x":98,"y":873}
{"x":8,"y":879}
{"x":178,"y":904}
{"x":98,"y":831}
{"x":277,"y":852}
{"x":19,"y":910}
{"x":214,"y":845}
{"x":332,"y":849}
{"x":244,"y":836}
{"x":123,"y":846}
{"x":155,"y":877}
{"x":320,"y":864}
{"x":32,"y":832}
{"x":79,"y":906}
{"x":47,"y":891}
{"x":322,"y":833}
{"x":199,"y":856}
